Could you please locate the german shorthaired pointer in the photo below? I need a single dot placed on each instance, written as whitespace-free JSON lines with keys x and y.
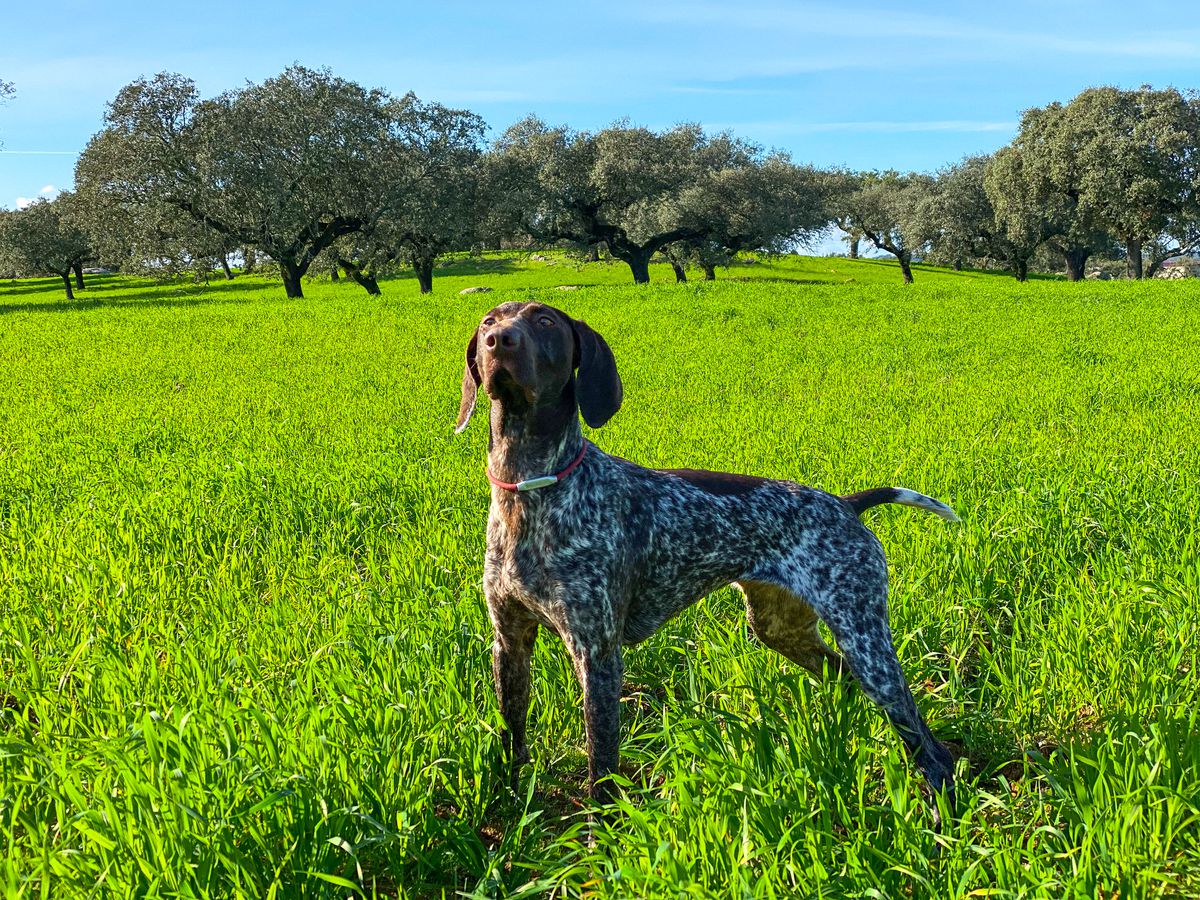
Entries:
{"x":602,"y":552}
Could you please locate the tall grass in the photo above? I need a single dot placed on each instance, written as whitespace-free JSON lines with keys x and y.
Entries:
{"x":243,"y":649}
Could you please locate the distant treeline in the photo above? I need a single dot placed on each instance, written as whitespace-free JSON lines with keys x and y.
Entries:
{"x":308,"y":172}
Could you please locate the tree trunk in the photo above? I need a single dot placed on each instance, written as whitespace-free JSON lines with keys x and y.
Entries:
{"x":680,"y":274}
{"x":78,"y":270}
{"x":1076,"y":260}
{"x":369,"y":283}
{"x":292,"y":274}
{"x":365,"y":280}
{"x":424,"y":270}
{"x":225,"y":265}
{"x":710,"y":272}
{"x":66,"y":277}
{"x":639,"y":262}
{"x":1021,"y":269}
{"x":333,"y":273}
{"x":854,"y":248}
{"x":958,"y":266}
{"x":249,"y":260}
{"x":1133,"y":258}
{"x":593,"y":254}
{"x":1159,"y":256}
{"x":906,"y":265}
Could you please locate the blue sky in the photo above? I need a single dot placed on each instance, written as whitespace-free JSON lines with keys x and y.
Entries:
{"x":863,"y":86}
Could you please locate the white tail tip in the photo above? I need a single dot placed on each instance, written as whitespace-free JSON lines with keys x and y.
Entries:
{"x":920,"y":501}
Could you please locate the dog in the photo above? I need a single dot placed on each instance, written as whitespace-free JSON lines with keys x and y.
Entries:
{"x":602,"y":552}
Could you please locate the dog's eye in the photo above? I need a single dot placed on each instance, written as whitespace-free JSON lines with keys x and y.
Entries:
{"x":545,"y":320}
{"x":489,"y":321}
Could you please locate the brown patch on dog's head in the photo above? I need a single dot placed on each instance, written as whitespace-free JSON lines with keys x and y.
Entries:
{"x":525,"y":355}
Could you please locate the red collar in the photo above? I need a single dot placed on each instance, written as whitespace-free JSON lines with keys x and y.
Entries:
{"x":532,"y":484}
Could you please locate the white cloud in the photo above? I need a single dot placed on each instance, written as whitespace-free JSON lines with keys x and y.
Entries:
{"x":49,"y":192}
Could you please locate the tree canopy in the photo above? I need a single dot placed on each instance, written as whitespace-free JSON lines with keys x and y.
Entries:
{"x":1112,"y":172}
{"x":1110,"y":166}
{"x":6,"y":93}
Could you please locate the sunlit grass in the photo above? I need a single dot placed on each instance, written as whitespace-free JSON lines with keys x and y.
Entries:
{"x":243,"y":648}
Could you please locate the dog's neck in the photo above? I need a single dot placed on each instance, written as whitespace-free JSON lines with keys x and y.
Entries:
{"x":529,"y":441}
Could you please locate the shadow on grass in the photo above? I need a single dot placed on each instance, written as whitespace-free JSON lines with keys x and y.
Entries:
{"x":167,"y":295}
{"x":919,"y":268}
{"x":777,"y":279}
{"x":32,"y":286}
{"x":468,"y":266}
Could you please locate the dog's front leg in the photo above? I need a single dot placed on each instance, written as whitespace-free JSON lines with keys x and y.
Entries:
{"x":515,"y":635}
{"x":601,"y":677}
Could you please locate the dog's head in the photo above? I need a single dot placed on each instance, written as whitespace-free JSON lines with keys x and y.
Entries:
{"x":525,"y":355}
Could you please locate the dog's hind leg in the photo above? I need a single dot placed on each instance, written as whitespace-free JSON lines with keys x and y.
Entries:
{"x":788,"y":625}
{"x":848,"y":590}
{"x":871,"y":655}
{"x":861,"y":627}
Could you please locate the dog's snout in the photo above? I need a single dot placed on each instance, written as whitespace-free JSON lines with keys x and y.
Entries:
{"x":504,"y":338}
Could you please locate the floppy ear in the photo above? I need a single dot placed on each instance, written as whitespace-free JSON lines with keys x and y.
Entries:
{"x":470,"y":385}
{"x":598,"y":386}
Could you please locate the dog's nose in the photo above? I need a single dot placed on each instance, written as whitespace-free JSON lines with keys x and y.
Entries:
{"x":503,"y":339}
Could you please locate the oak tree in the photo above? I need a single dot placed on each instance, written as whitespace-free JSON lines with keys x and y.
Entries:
{"x":1036,"y":185}
{"x":1134,"y":158}
{"x":285,"y":167}
{"x":44,"y":239}
{"x":962,"y":224}
{"x":6,"y":93}
{"x":638,"y":190}
{"x":439,"y":213}
{"x":885,"y":207}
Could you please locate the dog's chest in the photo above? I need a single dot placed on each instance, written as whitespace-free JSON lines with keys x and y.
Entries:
{"x":522,"y":554}
{"x":544,"y":551}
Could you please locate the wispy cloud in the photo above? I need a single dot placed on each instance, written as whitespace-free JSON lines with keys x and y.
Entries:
{"x":42,"y":75}
{"x":802,"y":19}
{"x":792,"y":126}
{"x":712,"y":90}
{"x":864,"y":23}
{"x":472,"y":95}
{"x":896,"y":127}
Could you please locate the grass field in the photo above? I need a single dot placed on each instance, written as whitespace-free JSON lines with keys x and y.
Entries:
{"x":243,"y":647}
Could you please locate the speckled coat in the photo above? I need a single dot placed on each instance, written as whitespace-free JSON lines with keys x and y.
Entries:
{"x":606,"y":555}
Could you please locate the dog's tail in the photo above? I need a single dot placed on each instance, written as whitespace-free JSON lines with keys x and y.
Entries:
{"x":864,"y":500}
